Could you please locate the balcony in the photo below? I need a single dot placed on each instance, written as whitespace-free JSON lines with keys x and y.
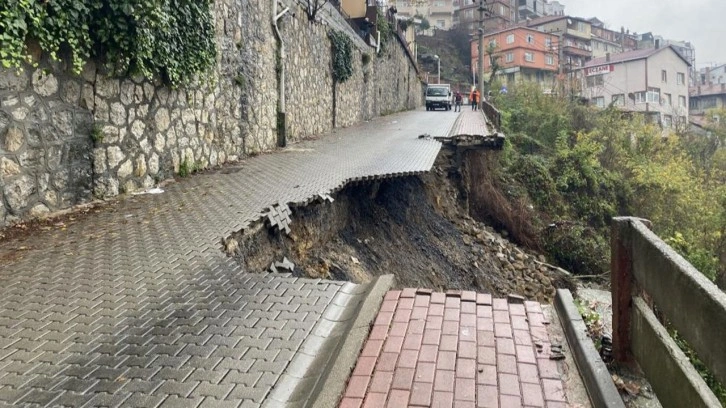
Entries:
{"x":582,"y":51}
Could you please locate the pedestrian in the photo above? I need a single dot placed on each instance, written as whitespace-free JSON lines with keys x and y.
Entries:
{"x":474,"y":98}
{"x":457,"y":101}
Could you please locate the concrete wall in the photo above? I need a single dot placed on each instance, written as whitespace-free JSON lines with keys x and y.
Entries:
{"x":49,"y":159}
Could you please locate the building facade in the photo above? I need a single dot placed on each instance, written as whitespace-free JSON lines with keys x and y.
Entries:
{"x":604,"y":41}
{"x":554,"y":8}
{"x":712,"y":75}
{"x":439,"y":13}
{"x":574,"y":39}
{"x":705,"y":97}
{"x":523,"y":54}
{"x":499,"y":14}
{"x":652,"y":81}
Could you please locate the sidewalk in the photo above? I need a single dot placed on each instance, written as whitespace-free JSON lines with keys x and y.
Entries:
{"x":137,"y":305}
{"x":459,"y":349}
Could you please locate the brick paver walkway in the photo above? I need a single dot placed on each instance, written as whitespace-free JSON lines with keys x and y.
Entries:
{"x":138,"y":306}
{"x":459,"y":349}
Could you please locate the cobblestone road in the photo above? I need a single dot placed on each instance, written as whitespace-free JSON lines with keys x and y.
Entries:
{"x":136,"y":305}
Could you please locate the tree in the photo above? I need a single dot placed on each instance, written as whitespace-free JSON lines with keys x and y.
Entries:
{"x":494,"y":63}
{"x":312,"y":7}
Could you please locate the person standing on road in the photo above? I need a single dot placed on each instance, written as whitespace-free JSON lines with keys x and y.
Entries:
{"x":457,"y":101}
{"x":474,"y":98}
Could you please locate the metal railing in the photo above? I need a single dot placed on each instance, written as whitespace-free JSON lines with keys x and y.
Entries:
{"x":645,"y":271}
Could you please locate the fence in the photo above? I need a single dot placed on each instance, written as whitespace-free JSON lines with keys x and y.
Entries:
{"x":645,"y":271}
{"x":493,"y":114}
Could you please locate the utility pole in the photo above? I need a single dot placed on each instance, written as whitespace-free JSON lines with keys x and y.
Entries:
{"x":482,"y":10}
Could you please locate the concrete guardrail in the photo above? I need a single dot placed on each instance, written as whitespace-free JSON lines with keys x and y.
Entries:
{"x":645,"y":271}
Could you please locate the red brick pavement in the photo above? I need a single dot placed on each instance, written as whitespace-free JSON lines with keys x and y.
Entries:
{"x":455,"y":349}
{"x":471,"y":123}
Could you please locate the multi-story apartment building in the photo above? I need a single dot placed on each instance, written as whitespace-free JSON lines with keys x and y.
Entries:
{"x":554,"y":8}
{"x":574,"y":39}
{"x":499,"y":14}
{"x":604,"y":41}
{"x":651,"y":81}
{"x":529,"y":9}
{"x":522,"y":54}
{"x":685,"y":48}
{"x":705,"y":97}
{"x":712,"y":75}
{"x":439,"y":13}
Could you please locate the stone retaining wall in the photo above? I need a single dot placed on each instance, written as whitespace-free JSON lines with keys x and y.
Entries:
{"x":65,"y":138}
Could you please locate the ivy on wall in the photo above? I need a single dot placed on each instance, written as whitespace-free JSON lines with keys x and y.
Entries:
{"x":172,"y":40}
{"x":342,"y":50}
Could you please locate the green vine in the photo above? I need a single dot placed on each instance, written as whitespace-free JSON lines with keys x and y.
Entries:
{"x":172,"y":40}
{"x":383,"y":27}
{"x":342,"y":48}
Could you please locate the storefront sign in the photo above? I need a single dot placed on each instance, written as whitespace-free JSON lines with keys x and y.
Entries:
{"x":602,"y":69}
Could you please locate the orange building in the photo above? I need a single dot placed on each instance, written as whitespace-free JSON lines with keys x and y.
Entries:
{"x":523,"y":54}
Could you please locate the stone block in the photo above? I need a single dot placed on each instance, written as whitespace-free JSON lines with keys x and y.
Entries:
{"x":71,"y":91}
{"x":18,"y":192}
{"x":125,"y":169}
{"x":44,"y":84}
{"x":115,"y":155}
{"x":8,"y":167}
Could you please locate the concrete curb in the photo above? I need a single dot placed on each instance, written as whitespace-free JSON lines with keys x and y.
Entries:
{"x":331,"y":388}
{"x":595,"y":375}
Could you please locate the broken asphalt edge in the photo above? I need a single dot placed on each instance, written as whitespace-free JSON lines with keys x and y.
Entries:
{"x":595,"y":375}
{"x":331,"y":388}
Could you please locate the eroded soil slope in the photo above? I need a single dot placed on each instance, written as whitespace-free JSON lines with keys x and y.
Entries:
{"x":416,"y":228}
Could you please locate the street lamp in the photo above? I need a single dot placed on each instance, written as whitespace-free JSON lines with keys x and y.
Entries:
{"x":438,"y":74}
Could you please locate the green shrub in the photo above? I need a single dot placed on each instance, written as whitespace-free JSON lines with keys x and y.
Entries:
{"x":172,"y":40}
{"x":342,"y":48}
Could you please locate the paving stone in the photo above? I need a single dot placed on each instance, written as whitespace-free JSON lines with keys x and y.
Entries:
{"x":455,"y":365}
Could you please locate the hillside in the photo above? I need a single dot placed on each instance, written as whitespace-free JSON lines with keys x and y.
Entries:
{"x":453,"y":48}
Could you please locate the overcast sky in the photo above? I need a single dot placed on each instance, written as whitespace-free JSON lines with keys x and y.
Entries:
{"x":702,"y":22}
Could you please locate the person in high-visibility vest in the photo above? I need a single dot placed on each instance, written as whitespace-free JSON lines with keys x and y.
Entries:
{"x":474,"y":98}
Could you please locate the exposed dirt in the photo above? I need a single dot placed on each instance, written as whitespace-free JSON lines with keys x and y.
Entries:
{"x":416,"y":228}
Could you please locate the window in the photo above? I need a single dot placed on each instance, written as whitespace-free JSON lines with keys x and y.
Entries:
{"x":493,"y":43}
{"x":549,"y":60}
{"x":595,"y":80}
{"x":530,"y":39}
{"x":529,"y":57}
{"x":681,"y":101}
{"x":597,"y":45}
{"x":667,"y":121}
{"x":639,"y":97}
{"x":668,"y":99}
{"x":599,"y":101}
{"x":619,"y":100}
{"x":653,"y":95}
{"x":540,"y":76}
{"x":510,"y":78}
{"x":510,"y":57}
{"x":580,"y":26}
{"x":502,"y":11}
{"x":548,"y":43}
{"x":680,"y":78}
{"x":510,"y":38}
{"x":664,"y":76}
